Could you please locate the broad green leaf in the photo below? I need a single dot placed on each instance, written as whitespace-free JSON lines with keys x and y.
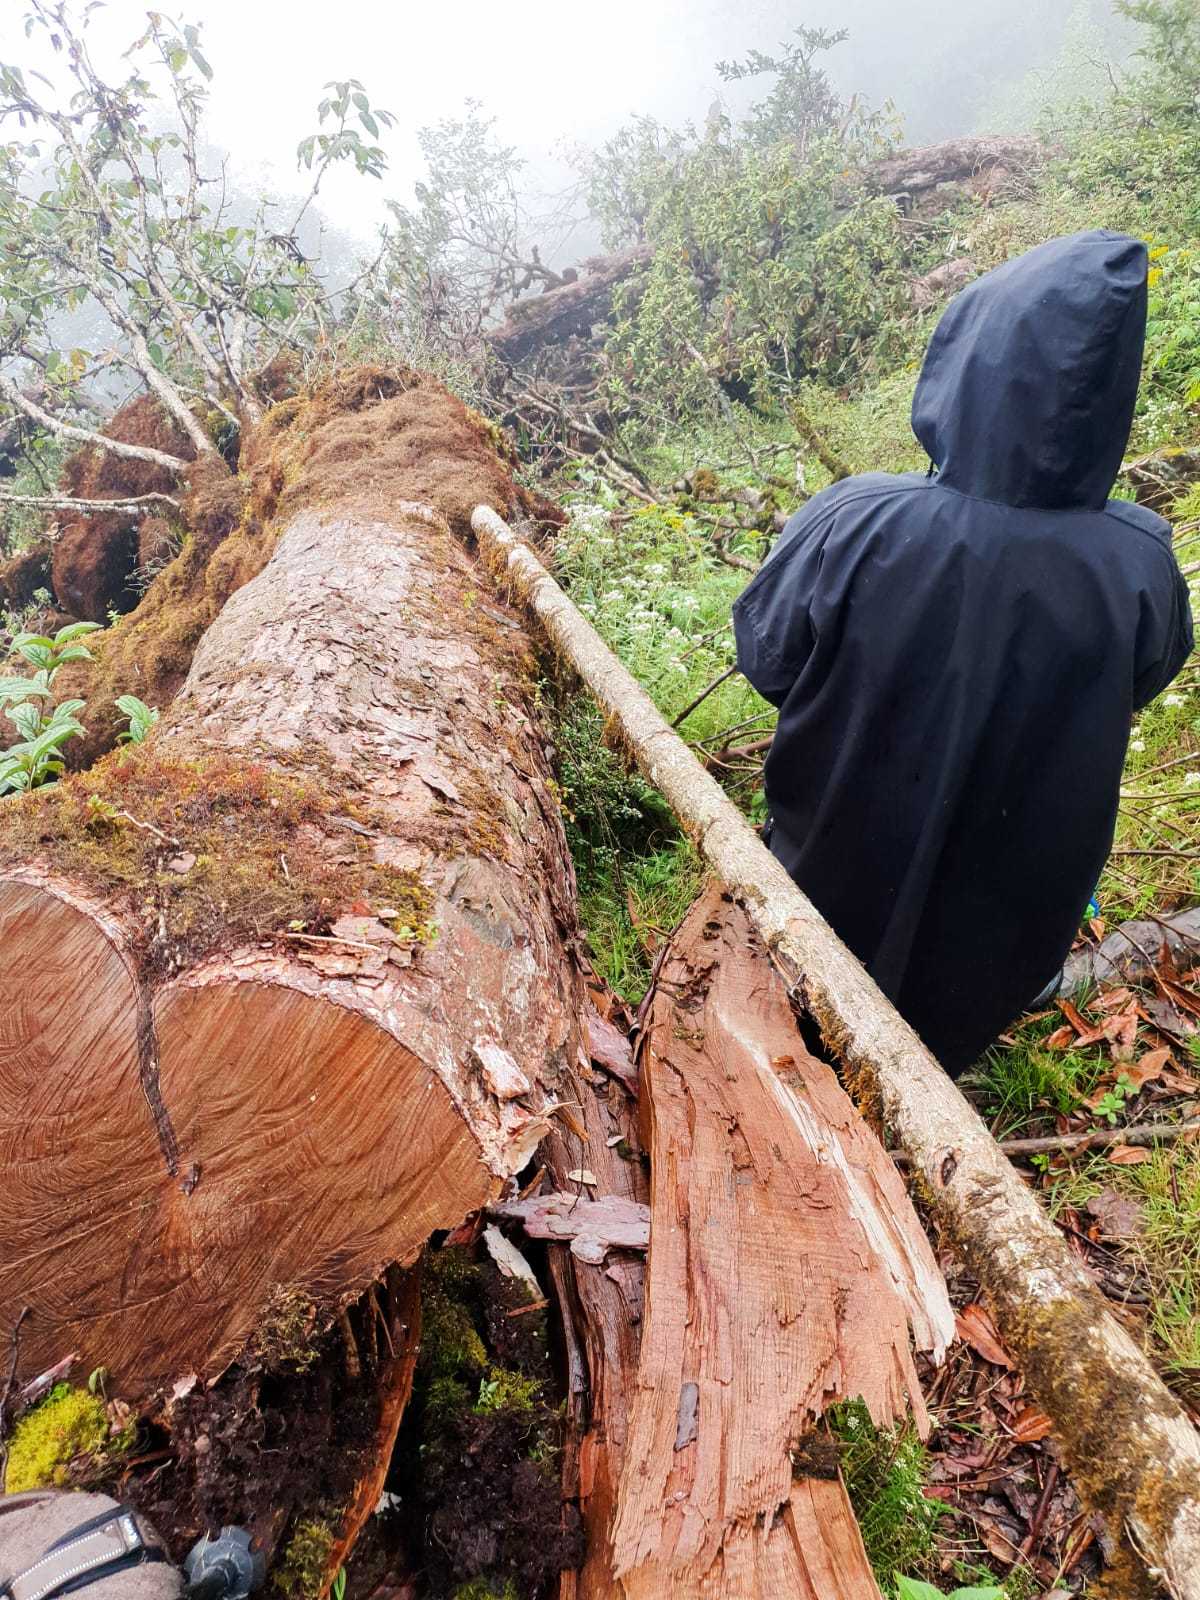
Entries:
{"x":23,"y":688}
{"x":989,"y":1593}
{"x":37,"y":654}
{"x":26,"y":718}
{"x":914,"y":1589}
{"x":75,"y":630}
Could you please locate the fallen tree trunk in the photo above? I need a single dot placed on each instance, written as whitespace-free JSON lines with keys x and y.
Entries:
{"x":1128,"y":1443}
{"x":543,"y":320}
{"x":287,"y":988}
{"x":787,"y":1268}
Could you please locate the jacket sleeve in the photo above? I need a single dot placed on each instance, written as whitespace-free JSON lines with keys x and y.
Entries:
{"x":1169,"y":644}
{"x":772,"y":617}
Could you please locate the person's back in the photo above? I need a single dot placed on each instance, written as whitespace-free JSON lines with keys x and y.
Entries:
{"x":957,"y":658}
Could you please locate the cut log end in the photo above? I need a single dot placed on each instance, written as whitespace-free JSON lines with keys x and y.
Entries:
{"x":172,"y":1164}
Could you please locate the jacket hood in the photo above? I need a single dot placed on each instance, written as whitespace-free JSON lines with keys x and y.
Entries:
{"x":1028,"y":387}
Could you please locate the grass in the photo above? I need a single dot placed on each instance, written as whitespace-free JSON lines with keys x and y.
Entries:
{"x":1166,"y":1190}
{"x":886,"y":1471}
{"x":636,"y":871}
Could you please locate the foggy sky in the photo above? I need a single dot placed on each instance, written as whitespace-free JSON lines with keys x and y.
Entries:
{"x":560,"y":72}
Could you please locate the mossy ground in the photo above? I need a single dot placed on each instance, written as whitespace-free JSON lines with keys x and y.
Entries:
{"x":299,"y":1572}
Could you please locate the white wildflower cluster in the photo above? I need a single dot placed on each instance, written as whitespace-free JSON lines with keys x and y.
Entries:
{"x":589,"y":519}
{"x":1172,"y":699}
{"x":1191,"y":778}
{"x":1137,"y":745}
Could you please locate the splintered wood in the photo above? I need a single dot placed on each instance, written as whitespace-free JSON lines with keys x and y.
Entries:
{"x":786,"y":1271}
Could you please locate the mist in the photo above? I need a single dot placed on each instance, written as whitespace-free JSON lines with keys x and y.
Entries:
{"x":555,"y":75}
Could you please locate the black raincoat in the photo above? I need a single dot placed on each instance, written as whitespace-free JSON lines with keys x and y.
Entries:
{"x":957,"y":658}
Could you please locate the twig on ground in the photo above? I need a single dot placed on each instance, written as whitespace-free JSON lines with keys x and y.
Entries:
{"x":703,"y":695}
{"x":1142,"y":1133}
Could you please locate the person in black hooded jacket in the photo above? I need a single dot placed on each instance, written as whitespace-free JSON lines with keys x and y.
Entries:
{"x":956,"y":658}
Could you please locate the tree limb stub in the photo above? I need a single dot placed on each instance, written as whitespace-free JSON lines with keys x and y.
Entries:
{"x":1127,"y":1441}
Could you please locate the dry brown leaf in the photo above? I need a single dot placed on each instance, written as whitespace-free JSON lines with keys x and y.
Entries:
{"x":1113,"y":999}
{"x":1129,"y":1155}
{"x":976,"y":1328}
{"x":1061,"y":1039}
{"x":1119,"y":1216}
{"x":1137,"y":1074}
{"x":1086,"y":1032}
{"x":1031,"y":1425}
{"x":1182,"y":997}
{"x":1121,"y":1031}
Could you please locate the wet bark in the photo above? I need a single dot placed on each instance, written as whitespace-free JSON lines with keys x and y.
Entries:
{"x":787,"y":1270}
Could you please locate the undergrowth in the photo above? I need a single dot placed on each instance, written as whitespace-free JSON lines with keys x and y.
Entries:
{"x":637,"y":873}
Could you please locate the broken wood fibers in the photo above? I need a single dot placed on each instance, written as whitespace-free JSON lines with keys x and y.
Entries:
{"x":786,"y":1269}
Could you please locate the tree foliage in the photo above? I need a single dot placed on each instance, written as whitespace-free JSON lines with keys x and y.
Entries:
{"x":771,"y":262}
{"x":107,"y":203}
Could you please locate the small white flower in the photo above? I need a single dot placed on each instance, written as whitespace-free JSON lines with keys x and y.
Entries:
{"x":611,"y":596}
{"x":1137,"y":745}
{"x":679,"y":666}
{"x":656,"y":570}
{"x":1172,"y":699}
{"x":1192,"y":778}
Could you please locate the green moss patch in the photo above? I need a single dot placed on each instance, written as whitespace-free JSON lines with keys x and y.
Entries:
{"x":478,"y":1463}
{"x":299,"y":1573}
{"x":68,"y":1424}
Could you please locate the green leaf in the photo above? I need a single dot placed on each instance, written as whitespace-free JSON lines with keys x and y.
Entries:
{"x":369,"y":123}
{"x":73,"y":652}
{"x":26,"y":718}
{"x":23,"y":688}
{"x":202,"y":64}
{"x":989,"y":1593}
{"x":75,"y":630}
{"x":37,"y":653}
{"x":914,"y":1589}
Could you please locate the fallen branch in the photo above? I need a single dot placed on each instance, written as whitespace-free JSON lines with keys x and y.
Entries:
{"x":1142,"y":1133}
{"x":804,"y":425}
{"x":709,"y":688}
{"x":1127,"y":1441}
{"x":63,"y":502}
{"x":65,"y":430}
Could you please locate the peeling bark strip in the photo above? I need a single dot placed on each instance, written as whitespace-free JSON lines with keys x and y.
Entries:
{"x":786,"y":1269}
{"x":1128,"y":1443}
{"x":359,"y":1034}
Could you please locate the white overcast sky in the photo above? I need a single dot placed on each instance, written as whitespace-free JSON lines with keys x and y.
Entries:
{"x":554,"y":72}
